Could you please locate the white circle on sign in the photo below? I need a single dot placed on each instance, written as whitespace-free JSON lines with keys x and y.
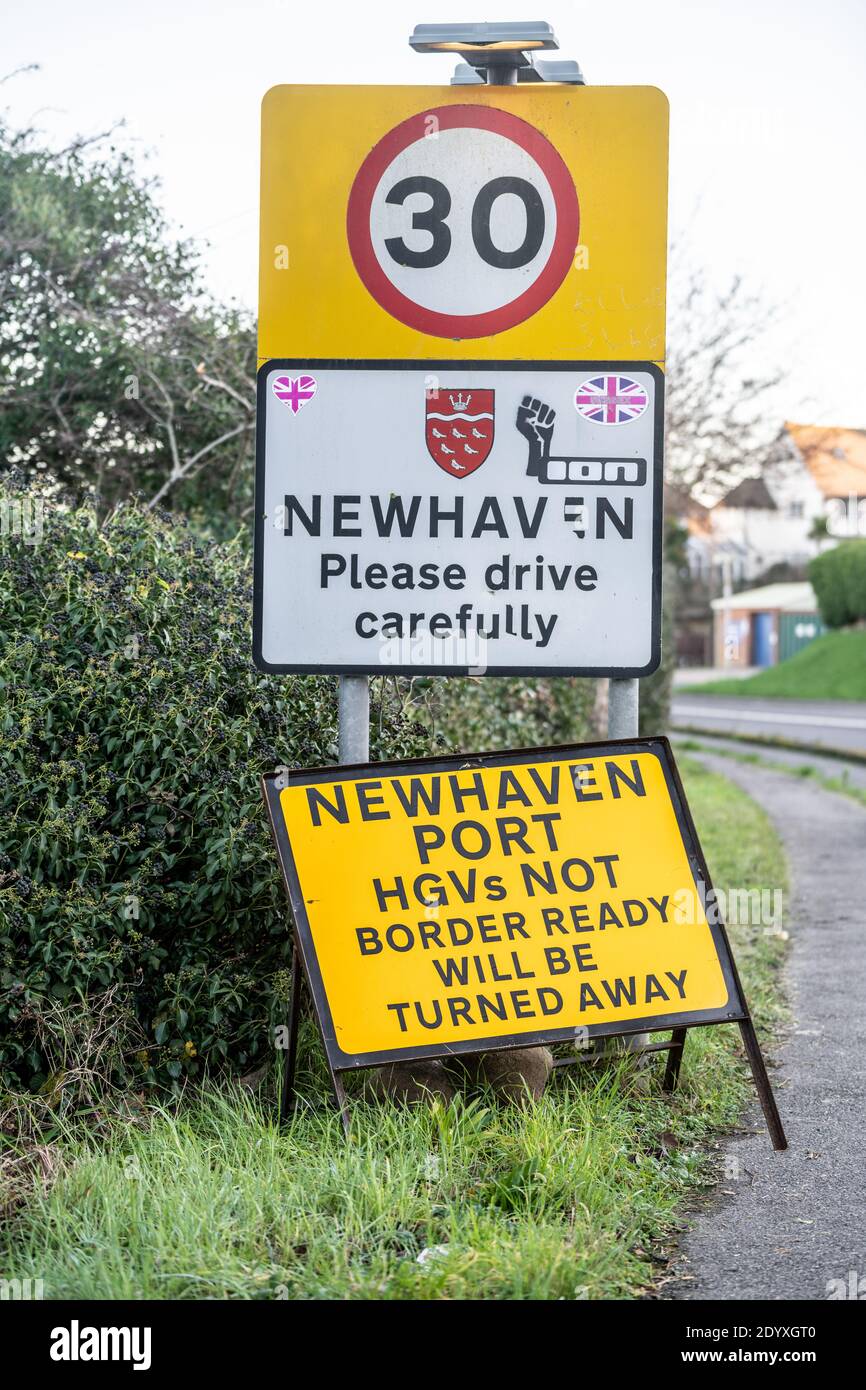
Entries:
{"x":462,"y":161}
{"x":463,"y":221}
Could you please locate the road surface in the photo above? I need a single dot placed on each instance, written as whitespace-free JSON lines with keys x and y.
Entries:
{"x":795,"y":1226}
{"x":830,"y":723}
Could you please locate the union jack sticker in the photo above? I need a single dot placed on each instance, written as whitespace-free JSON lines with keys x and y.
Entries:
{"x":610,"y":400}
{"x":295,"y":392}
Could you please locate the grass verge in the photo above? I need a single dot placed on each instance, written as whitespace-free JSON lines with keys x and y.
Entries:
{"x":784,"y":745}
{"x":842,"y":784}
{"x":833,"y":667}
{"x":576,"y":1197}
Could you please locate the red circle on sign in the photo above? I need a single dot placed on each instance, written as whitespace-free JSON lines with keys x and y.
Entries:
{"x":414,"y":315}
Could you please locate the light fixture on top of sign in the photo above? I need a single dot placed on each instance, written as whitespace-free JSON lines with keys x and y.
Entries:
{"x":497,"y":53}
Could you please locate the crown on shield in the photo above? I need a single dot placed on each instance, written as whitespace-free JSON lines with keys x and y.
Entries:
{"x":458,"y":401}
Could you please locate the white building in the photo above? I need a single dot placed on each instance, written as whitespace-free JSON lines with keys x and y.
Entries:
{"x":819,"y":472}
{"x":836,"y":460}
{"x":760,"y":627}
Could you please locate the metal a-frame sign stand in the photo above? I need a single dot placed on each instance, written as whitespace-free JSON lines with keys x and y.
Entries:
{"x":497,"y":55}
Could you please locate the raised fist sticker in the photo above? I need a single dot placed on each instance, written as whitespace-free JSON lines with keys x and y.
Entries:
{"x":535,"y":421}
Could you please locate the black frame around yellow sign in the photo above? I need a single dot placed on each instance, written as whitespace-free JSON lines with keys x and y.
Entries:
{"x":467,"y":903}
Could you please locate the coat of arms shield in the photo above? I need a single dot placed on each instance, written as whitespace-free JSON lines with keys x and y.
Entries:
{"x":459,"y":429}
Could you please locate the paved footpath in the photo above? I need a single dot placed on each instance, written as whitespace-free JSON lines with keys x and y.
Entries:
{"x":797,"y":1220}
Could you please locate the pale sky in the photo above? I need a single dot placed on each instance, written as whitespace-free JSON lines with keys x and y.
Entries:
{"x":768,"y":117}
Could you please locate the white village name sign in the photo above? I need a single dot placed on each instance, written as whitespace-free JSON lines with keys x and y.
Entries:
{"x":493,"y":518}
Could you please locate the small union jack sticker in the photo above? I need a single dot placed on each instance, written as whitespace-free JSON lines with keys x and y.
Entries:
{"x":295,"y":391}
{"x":610,"y":400}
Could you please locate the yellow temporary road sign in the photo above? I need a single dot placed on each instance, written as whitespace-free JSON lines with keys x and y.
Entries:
{"x":512,"y":222}
{"x":500,"y":899}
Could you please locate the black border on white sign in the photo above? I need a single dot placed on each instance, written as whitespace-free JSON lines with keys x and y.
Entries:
{"x":433,"y":364}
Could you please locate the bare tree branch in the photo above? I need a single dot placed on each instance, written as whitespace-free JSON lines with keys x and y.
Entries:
{"x":188,"y":467}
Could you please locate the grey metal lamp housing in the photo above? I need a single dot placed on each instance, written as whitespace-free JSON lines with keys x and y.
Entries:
{"x":500,"y":44}
{"x":497,"y":52}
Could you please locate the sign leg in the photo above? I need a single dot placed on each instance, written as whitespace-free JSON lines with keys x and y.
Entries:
{"x":340,"y":1095}
{"x":762,"y":1083}
{"x":287,"y":1098}
{"x":675,"y":1057}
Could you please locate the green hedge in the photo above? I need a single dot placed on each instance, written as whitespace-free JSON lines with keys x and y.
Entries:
{"x":136,"y":858}
{"x":514,"y":712}
{"x":839,"y":580}
{"x":136,"y":855}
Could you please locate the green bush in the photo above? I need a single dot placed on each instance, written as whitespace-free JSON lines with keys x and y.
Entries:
{"x":136,"y":855}
{"x":839,"y":580}
{"x":476,"y":713}
{"x":143,"y":922}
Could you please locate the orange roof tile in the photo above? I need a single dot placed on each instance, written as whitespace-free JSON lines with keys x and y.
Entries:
{"x":697,"y":525}
{"x":835,"y":457}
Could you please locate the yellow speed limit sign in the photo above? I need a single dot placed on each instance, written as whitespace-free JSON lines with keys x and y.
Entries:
{"x":488,"y":223}
{"x":500,"y":900}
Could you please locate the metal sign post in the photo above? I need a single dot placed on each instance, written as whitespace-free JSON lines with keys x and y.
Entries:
{"x":353,"y":714}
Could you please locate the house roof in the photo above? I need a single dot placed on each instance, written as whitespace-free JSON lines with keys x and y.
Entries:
{"x":700,"y":526}
{"x":835,"y":457}
{"x":751,"y":492}
{"x":789,"y":598}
